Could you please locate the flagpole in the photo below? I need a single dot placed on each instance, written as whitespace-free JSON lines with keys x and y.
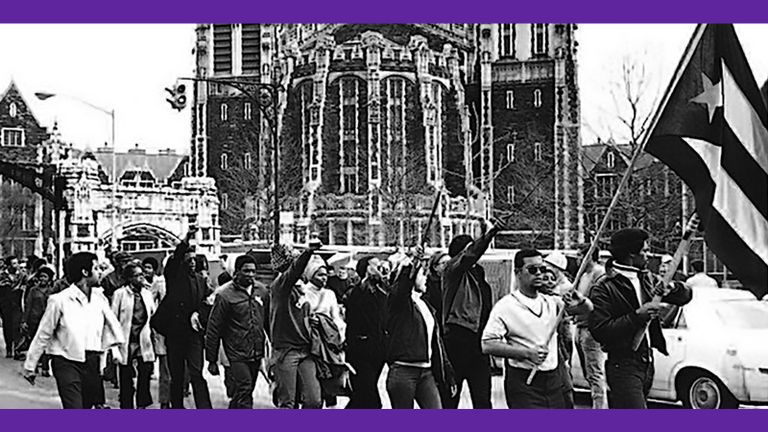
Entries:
{"x":684,"y":60}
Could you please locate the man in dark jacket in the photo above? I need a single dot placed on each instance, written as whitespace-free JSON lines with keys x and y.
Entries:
{"x":622,"y":308}
{"x":237,"y":319}
{"x":178,"y":318}
{"x":467,"y":304}
{"x":366,"y":307}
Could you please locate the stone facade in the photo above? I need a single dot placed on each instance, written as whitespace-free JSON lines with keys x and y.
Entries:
{"x":375,"y":119}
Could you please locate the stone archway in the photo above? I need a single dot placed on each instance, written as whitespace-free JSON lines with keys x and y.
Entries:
{"x":142,"y":236}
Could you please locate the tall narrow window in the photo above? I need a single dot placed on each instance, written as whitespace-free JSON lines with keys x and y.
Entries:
{"x":224,"y":112}
{"x":537,"y":98}
{"x":507,"y":40}
{"x":511,"y":194}
{"x":224,"y":201}
{"x":224,"y":164}
{"x":247,"y":160}
{"x":511,"y":152}
{"x":611,"y":160}
{"x":539,"y":39}
{"x":510,"y":99}
{"x":12,"y":110}
{"x":247,"y":111}
{"x":537,"y":152}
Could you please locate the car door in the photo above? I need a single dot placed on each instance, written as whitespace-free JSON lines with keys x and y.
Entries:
{"x":675,"y":330}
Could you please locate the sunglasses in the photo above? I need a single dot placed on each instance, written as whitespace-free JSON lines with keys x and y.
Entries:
{"x":535,"y":269}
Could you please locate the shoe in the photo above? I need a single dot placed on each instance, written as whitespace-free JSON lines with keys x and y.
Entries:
{"x":46,"y":374}
{"x":100,"y":406}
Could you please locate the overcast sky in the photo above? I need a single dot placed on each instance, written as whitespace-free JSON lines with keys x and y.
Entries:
{"x":127,"y":67}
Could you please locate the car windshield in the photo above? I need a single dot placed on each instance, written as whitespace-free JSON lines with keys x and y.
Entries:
{"x":743,"y":314}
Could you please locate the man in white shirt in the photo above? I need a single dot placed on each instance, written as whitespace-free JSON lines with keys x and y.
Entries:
{"x":77,"y":327}
{"x":517,"y":330}
{"x":700,"y":279}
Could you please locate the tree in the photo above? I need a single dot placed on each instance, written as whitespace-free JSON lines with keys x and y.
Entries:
{"x":652,"y":197}
{"x":16,"y":213}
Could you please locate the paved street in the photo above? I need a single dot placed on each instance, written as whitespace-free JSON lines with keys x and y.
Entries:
{"x":15,"y":391}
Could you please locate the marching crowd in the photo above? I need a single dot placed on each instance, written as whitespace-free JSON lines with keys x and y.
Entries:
{"x":322,"y":331}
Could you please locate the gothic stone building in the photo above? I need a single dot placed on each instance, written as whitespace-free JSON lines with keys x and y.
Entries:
{"x":151,"y":207}
{"x":376,"y":119}
{"x":155,"y":198}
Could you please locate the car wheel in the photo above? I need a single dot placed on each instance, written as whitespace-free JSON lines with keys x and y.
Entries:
{"x":704,"y":391}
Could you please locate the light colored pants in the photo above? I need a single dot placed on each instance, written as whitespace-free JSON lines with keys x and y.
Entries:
{"x":592,"y":359}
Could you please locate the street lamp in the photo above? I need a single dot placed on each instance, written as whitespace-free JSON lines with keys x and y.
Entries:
{"x":111,"y":113}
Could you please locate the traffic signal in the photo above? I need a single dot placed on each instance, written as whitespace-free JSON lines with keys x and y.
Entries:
{"x":178,"y":99}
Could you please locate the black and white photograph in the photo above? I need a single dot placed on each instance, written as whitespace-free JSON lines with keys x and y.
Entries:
{"x":383,"y":216}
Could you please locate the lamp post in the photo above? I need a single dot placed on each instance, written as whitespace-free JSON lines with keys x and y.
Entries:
{"x":111,"y":113}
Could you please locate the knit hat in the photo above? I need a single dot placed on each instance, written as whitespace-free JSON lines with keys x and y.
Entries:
{"x":458,"y":244}
{"x":558,"y":260}
{"x":626,"y":241}
{"x":315,"y":263}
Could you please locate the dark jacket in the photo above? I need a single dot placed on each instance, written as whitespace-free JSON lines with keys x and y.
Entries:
{"x":365,"y":312}
{"x":614,"y":323}
{"x":238,"y":320}
{"x":466,"y":294}
{"x":406,"y":332}
{"x":289,"y":321}
{"x":339,"y":287}
{"x":434,"y":295}
{"x":185,"y":295}
{"x":111,"y":283}
{"x":34,"y":306}
{"x":327,"y":349}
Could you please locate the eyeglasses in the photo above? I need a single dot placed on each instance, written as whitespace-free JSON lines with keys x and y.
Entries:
{"x":536,"y":269}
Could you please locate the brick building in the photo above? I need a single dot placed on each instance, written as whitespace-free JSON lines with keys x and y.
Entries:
{"x":375,"y":119}
{"x":25,"y":218}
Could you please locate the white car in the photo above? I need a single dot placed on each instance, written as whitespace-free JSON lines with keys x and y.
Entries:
{"x":718,"y":355}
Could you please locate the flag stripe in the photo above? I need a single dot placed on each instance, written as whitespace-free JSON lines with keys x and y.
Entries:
{"x":744,"y":121}
{"x":735,"y":254}
{"x":745,"y":220}
{"x":744,"y":170}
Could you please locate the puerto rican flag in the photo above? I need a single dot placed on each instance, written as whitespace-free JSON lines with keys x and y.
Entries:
{"x":713,"y":132}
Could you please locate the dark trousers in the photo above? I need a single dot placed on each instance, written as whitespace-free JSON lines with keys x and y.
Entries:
{"x":629,"y":381}
{"x":365,"y":382}
{"x":545,"y":391}
{"x":10,"y":313}
{"x":296,"y":379}
{"x":187,"y":352}
{"x":406,"y":384}
{"x":470,"y":364}
{"x":243,"y":376}
{"x":78,"y":383}
{"x":127,"y":373}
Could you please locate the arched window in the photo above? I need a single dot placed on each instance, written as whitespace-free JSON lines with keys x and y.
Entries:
{"x":224,"y":164}
{"x":224,"y":112}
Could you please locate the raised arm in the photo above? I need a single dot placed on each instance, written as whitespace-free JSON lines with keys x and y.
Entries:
{"x":472,"y":254}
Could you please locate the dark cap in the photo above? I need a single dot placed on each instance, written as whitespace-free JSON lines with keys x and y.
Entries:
{"x":626,"y":241}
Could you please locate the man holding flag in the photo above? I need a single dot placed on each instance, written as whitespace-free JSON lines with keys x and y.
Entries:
{"x":712,"y":130}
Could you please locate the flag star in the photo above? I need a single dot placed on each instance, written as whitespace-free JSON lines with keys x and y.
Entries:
{"x":712,"y":96}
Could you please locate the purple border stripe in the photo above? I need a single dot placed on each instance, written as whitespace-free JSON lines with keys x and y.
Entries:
{"x":580,"y":11}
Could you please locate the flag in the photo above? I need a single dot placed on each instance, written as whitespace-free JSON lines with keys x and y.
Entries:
{"x":713,"y":132}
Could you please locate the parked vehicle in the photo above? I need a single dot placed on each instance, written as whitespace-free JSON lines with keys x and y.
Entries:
{"x":718,"y":356}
